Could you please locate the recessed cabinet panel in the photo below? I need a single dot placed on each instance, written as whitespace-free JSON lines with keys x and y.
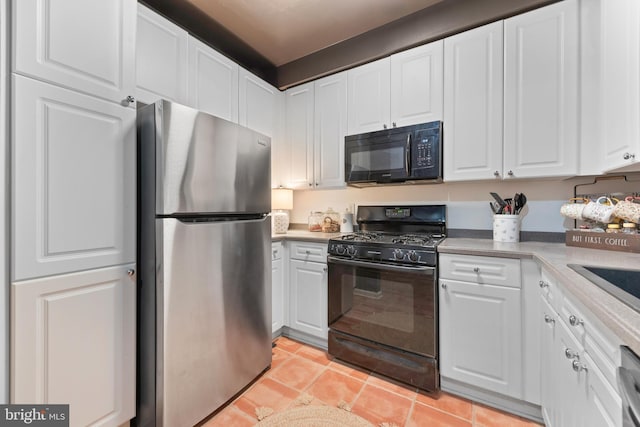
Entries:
{"x":73,"y":181}
{"x":541,"y":97}
{"x":368,"y":100}
{"x":213,"y":82}
{"x":308,"y":297}
{"x":481,"y":336}
{"x":330,"y":128}
{"x":72,"y":328}
{"x":88,"y":45}
{"x":299,"y":135}
{"x":416,"y":85}
{"x":161,"y":58}
{"x":473,"y":92}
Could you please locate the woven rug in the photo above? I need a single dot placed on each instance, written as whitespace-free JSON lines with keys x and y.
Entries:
{"x":314,"y":416}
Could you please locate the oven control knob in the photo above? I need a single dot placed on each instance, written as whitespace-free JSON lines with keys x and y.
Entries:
{"x":340,"y":249}
{"x":398,"y":254}
{"x":413,"y":256}
{"x":351,"y":250}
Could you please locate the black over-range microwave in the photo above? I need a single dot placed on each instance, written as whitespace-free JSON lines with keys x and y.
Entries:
{"x":397,"y":155}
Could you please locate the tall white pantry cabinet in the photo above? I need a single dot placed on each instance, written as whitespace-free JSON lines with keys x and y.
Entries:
{"x":73,"y":202}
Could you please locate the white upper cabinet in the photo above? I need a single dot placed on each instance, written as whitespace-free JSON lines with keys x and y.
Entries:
{"x":611,"y":86}
{"x":330,"y":128}
{"x":161,"y":58}
{"x":213,"y":81}
{"x":73,"y":185}
{"x":400,"y":90}
{"x":261,"y":108}
{"x":541,"y":92}
{"x":86,"y":45}
{"x":416,"y":85}
{"x":299,"y":135}
{"x":473,"y":92}
{"x":368,"y":97}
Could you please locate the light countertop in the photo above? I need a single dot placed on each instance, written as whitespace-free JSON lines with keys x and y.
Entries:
{"x":301,"y":234}
{"x":554,"y":257}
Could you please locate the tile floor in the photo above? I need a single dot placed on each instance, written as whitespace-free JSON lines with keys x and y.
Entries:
{"x":301,"y":373}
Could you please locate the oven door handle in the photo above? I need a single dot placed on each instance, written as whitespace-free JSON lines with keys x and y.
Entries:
{"x":380,"y":266}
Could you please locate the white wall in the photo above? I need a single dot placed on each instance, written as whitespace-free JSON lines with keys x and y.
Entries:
{"x":4,"y":201}
{"x":467,"y":202}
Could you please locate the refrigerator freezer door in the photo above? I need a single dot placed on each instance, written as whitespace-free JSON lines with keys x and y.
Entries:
{"x":214,"y":313}
{"x":203,"y":164}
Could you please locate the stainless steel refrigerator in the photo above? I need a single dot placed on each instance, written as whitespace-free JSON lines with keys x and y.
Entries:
{"x":204,"y":287}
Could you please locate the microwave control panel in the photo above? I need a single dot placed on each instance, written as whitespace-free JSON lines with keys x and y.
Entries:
{"x":426,"y":154}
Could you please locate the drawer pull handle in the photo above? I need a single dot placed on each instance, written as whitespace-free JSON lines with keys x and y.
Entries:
{"x":131,"y":272}
{"x":570,"y":354}
{"x":577,"y":366}
{"x":476,"y":269}
{"x":543,"y":284}
{"x":444,"y":286}
{"x":549,"y":319}
{"x":574,"y":321}
{"x":308,"y":252}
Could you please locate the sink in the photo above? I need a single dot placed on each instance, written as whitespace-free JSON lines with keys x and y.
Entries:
{"x":622,"y":283}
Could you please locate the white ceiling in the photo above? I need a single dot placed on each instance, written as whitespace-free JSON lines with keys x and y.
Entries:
{"x":285,"y":30}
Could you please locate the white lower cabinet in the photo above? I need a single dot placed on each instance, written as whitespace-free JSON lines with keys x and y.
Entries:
{"x":578,"y":382}
{"x":308,"y":289}
{"x":73,"y":342}
{"x":277,"y":287}
{"x":480,"y":335}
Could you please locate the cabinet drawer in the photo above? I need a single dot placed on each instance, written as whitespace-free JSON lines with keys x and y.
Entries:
{"x":550,"y":291}
{"x":306,"y":251}
{"x":481,"y":269}
{"x":276,"y":251}
{"x":574,"y":318}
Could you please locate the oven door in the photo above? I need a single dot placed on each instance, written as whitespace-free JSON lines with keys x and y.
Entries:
{"x":386,"y":304}
{"x":378,"y":157}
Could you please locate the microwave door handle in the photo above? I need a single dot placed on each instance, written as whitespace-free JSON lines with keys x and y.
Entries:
{"x":407,"y":157}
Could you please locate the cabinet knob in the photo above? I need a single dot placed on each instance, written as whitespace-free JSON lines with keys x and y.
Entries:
{"x":444,"y":286}
{"x":549,"y":319}
{"x":543,"y":284}
{"x":310,"y":184}
{"x":577,"y":366}
{"x":394,"y":124}
{"x":317,"y":184}
{"x":574,"y":321}
{"x":476,"y":269}
{"x":628,"y":156}
{"x":496,"y":174}
{"x":128,"y":100}
{"x":325,"y":269}
{"x":384,"y":126}
{"x":570,"y":354}
{"x":510,"y":173}
{"x":308,"y":252}
{"x":131,"y":272}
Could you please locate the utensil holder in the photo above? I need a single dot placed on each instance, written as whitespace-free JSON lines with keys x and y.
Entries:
{"x":506,"y":228}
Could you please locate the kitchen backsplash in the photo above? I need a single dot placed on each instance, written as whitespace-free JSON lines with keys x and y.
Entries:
{"x":467,"y":202}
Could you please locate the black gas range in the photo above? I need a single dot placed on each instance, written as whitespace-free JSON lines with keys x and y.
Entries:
{"x":383,"y":293}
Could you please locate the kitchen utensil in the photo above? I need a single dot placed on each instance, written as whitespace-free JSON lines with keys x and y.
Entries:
{"x":522,"y":200}
{"x":574,"y":208}
{"x":501,"y":202}
{"x":494,"y":207}
{"x":628,"y":210}
{"x":509,"y":208}
{"x":600,"y":211}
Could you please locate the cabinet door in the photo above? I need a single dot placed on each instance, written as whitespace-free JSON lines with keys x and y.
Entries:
{"x":473,"y":104}
{"x":73,"y":181}
{"x":277,"y":288}
{"x":541,"y":99}
{"x":604,"y":406}
{"x":619,"y":114}
{"x":548,"y":386}
{"x":308,"y":300}
{"x":299,"y":135}
{"x":213,"y":81}
{"x":86,"y":45}
{"x":73,"y":341}
{"x":481,"y":336}
{"x":330,"y":128}
{"x":368,"y":99}
{"x":260,"y":109}
{"x":570,"y":385}
{"x":417,"y":85}
{"x":161,"y":58}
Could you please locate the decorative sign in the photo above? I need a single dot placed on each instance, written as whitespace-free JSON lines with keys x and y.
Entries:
{"x":600,"y":240}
